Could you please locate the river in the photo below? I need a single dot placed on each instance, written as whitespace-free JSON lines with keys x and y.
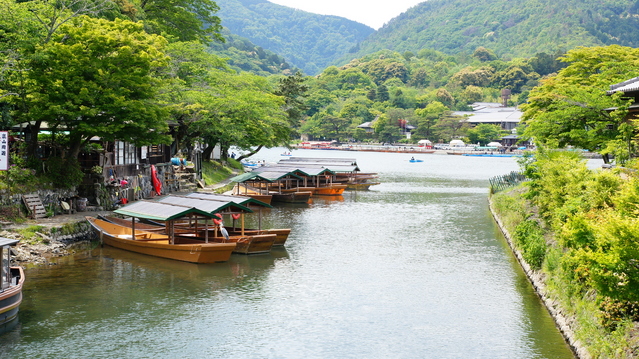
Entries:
{"x":413,"y":268}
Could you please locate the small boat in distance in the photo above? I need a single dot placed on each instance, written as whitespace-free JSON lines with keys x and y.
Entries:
{"x":415,"y":160}
{"x":11,"y":281}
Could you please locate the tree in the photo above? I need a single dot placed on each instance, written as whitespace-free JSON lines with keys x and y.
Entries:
{"x":293,"y":89}
{"x":183,"y":20}
{"x":427,"y":117}
{"x":484,"y":133}
{"x":449,"y":127}
{"x":484,"y":54}
{"x":382,"y":93}
{"x":97,"y":78}
{"x":572,"y":108}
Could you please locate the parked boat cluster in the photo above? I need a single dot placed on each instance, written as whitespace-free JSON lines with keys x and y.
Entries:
{"x":298,"y":179}
{"x":189,"y":228}
{"x":204,"y":227}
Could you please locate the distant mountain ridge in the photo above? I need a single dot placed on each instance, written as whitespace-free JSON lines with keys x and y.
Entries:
{"x":512,"y":28}
{"x":306,"y":40}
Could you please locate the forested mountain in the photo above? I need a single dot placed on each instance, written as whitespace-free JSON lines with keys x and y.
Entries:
{"x":511,"y":28}
{"x":243,"y":55}
{"x":308,"y":41}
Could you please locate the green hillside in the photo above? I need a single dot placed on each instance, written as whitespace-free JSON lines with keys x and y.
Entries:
{"x":243,"y":55}
{"x":511,"y":28}
{"x":308,"y":41}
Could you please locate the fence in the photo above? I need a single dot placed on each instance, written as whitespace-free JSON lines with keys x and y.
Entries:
{"x":500,"y":183}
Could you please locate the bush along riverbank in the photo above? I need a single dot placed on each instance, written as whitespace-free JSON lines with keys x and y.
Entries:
{"x":576,"y":233}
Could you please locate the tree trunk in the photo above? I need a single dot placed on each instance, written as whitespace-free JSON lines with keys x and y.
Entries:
{"x":32,"y":147}
{"x":224,"y":151}
{"x":206,"y":153}
{"x":75,"y":145}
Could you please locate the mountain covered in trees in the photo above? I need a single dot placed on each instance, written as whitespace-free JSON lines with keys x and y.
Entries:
{"x":244,"y":55}
{"x":511,"y":28}
{"x":309,"y":41}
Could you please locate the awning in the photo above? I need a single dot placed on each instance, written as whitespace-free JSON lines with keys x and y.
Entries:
{"x":159,"y":211}
{"x":209,"y":206}
{"x":267,"y":176}
{"x":243,"y":200}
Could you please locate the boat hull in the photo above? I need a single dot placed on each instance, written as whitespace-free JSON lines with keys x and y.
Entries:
{"x":250,"y":243}
{"x":292,"y":197}
{"x":11,"y":297}
{"x":333,"y":190}
{"x":158,"y":245}
{"x":256,"y":244}
{"x":281,"y":234}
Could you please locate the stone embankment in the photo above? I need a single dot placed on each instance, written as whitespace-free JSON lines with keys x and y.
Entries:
{"x":563,"y":322}
{"x":56,"y":237}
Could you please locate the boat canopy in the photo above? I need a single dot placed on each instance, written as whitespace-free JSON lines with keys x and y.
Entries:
{"x":209,"y":206}
{"x":243,"y":200}
{"x":333,"y":166}
{"x":305,"y":171}
{"x":266,"y":176}
{"x":319,"y":160}
{"x":159,"y":211}
{"x":8,"y":242}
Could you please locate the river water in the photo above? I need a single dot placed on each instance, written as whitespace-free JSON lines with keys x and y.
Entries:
{"x":413,"y":268}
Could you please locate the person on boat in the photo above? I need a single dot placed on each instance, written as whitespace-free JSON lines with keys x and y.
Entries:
{"x":412,"y":158}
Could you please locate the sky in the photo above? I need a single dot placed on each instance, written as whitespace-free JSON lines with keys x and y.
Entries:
{"x":374,"y":13}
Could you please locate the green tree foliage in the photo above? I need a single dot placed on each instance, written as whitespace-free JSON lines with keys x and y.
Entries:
{"x":215,"y":105}
{"x":571,"y":108}
{"x":594,"y":215}
{"x":484,"y":133}
{"x":243,"y":55}
{"x":96,"y":78}
{"x":184,"y":20}
{"x":510,"y":28}
{"x":293,"y":90}
{"x":427,"y":118}
{"x":483,"y":54}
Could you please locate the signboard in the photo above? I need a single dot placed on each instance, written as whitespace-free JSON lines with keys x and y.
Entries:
{"x":4,"y":150}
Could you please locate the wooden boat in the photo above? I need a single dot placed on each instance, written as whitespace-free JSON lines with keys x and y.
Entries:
{"x":251,"y":242}
{"x":246,"y":191}
{"x":11,"y":281}
{"x":292,"y":197}
{"x":281,"y":234}
{"x":160,"y":245}
{"x":330,"y":190}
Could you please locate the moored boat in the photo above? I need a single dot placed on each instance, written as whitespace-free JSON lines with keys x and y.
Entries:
{"x":292,"y":197}
{"x":11,"y":281}
{"x":251,"y":242}
{"x":160,"y":245}
{"x":329,"y":190}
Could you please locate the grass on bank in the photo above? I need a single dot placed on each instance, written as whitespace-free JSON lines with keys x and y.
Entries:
{"x":215,"y":172}
{"x":589,"y":325}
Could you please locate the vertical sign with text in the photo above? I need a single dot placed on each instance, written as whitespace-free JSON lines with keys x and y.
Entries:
{"x":4,"y":150}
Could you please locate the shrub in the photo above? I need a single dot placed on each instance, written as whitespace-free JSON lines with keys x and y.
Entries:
{"x":615,"y":312}
{"x":64,"y":173}
{"x":529,"y":238}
